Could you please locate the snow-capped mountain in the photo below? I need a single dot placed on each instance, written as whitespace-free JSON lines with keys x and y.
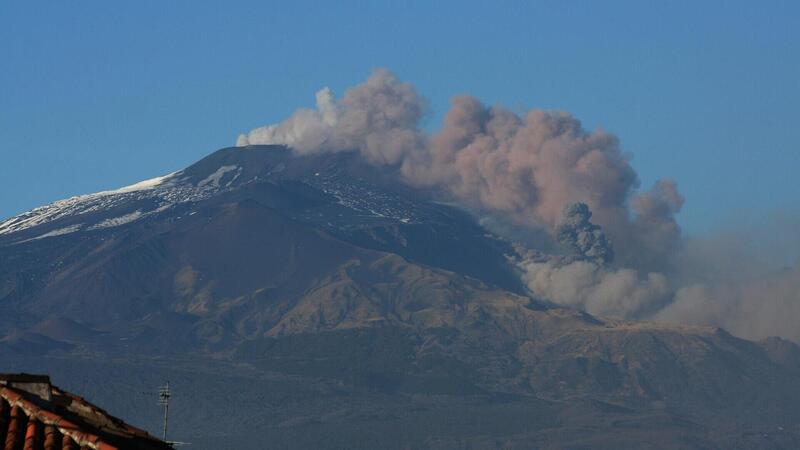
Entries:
{"x":163,"y":190}
{"x":336,"y":194}
{"x":347,"y":195}
{"x":344,"y":300}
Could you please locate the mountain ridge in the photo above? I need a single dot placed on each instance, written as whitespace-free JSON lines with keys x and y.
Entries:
{"x":267,"y":265}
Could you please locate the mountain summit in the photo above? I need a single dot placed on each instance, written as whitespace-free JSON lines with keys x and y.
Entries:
{"x":336,"y":307}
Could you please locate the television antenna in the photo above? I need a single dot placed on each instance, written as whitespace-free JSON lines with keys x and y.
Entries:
{"x":164,"y":394}
{"x":163,"y":400}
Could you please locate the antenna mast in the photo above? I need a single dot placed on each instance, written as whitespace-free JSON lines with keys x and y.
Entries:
{"x":163,"y":400}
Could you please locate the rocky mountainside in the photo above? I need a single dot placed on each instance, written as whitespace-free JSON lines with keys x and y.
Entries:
{"x":315,"y":302}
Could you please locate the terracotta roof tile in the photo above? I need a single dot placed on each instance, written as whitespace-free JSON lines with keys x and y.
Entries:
{"x":31,"y":435}
{"x":34,"y":415}
{"x":51,"y":441}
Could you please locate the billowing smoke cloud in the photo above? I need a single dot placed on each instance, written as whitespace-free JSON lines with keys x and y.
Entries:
{"x":597,"y":289}
{"x":726,"y":279}
{"x":745,"y":278}
{"x":529,"y":167}
{"x":378,"y":118}
{"x":585,"y":280}
{"x":523,"y":168}
{"x":521,"y":172}
{"x":751,"y":308}
{"x":656,"y":234}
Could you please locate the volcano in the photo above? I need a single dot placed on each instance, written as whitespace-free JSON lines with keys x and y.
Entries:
{"x":315,"y":301}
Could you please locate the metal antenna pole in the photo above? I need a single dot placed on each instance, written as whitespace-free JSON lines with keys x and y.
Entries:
{"x":163,"y":400}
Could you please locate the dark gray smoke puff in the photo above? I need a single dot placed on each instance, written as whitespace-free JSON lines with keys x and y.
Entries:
{"x":584,"y":238}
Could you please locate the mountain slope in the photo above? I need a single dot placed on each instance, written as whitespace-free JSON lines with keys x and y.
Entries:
{"x":329,"y":279}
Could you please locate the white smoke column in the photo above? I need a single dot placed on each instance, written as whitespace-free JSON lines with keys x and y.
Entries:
{"x":379,"y":118}
{"x":305,"y":131}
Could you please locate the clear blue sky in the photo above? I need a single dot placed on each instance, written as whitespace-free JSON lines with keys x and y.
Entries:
{"x":99,"y":94}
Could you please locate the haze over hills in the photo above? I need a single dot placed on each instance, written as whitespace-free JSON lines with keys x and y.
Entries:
{"x":316,"y":301}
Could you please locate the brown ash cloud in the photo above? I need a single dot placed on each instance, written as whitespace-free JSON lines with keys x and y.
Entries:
{"x":520,"y":172}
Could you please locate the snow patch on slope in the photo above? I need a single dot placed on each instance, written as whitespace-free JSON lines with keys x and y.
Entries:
{"x":59,"y":232}
{"x":164,"y":191}
{"x":141,"y":186}
{"x":117,"y":221}
{"x":80,"y":204}
{"x":214,"y":178}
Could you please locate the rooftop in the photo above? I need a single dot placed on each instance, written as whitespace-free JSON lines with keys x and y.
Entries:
{"x":35,"y":415}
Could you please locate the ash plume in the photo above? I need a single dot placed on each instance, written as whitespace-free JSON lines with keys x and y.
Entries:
{"x":753,"y":308}
{"x":585,"y":239}
{"x":524,"y":169}
{"x":520,"y":172}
